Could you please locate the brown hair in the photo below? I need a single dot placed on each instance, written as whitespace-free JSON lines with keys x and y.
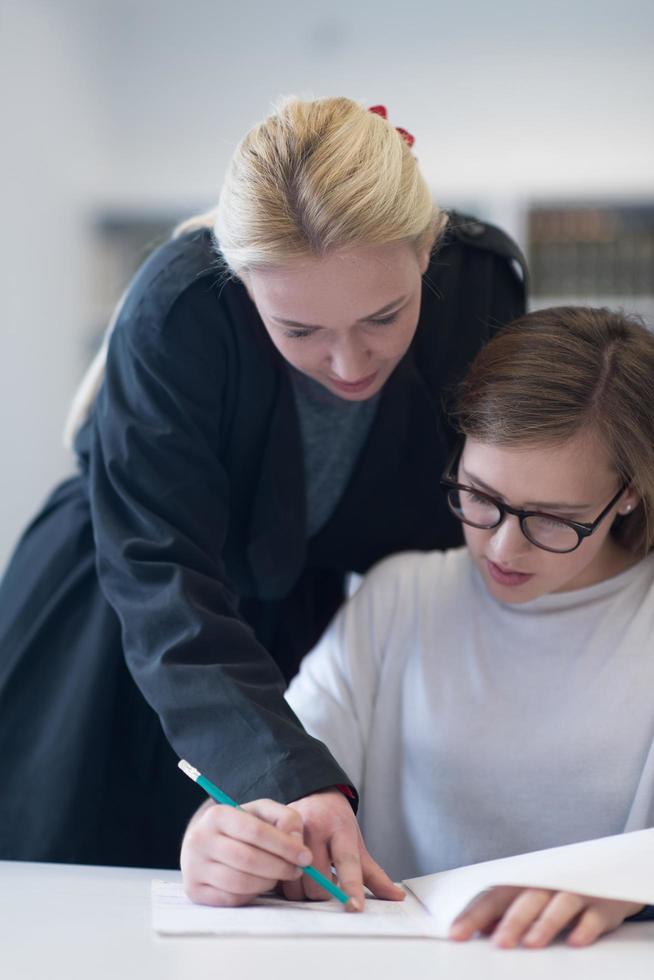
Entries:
{"x":557,"y":371}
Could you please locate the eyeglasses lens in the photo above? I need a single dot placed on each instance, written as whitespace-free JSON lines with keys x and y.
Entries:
{"x":549,"y":533}
{"x":474,"y":509}
{"x":482,"y":512}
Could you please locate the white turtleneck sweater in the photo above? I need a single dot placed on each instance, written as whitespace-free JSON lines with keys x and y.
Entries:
{"x":476,"y":729}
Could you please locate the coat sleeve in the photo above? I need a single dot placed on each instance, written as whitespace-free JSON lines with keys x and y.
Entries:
{"x":646,"y":914}
{"x":160,"y":508}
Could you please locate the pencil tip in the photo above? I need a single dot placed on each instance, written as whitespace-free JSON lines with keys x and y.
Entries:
{"x":353,"y":905}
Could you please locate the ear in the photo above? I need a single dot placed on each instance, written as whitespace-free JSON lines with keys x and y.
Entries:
{"x":628,"y":503}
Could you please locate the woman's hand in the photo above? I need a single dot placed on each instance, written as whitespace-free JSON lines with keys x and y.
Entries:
{"x":332,"y":833}
{"x":230,"y":856}
{"x":534,"y":916}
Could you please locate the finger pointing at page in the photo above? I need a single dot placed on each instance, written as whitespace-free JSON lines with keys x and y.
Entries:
{"x":332,"y":833}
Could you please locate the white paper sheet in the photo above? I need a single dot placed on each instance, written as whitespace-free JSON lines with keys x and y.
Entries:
{"x":620,"y":867}
{"x":174,"y":914}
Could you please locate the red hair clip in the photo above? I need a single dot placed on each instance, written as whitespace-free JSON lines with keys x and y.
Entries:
{"x":380,"y":110}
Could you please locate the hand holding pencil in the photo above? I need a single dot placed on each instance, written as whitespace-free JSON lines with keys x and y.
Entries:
{"x":231,"y":854}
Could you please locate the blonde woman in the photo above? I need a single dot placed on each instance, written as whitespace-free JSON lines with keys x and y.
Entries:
{"x":497,"y":698}
{"x":266,"y":419}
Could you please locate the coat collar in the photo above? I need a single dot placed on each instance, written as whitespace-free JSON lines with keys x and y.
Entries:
{"x":277,"y":540}
{"x":277,"y":533}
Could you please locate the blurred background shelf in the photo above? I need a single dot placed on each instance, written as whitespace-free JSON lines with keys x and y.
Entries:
{"x":596,"y":252}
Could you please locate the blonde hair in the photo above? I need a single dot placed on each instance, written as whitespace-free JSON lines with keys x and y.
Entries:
{"x":320,"y":175}
{"x":314,"y":176}
{"x":556,"y":372}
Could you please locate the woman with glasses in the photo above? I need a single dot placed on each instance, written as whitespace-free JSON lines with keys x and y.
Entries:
{"x":498,"y":698}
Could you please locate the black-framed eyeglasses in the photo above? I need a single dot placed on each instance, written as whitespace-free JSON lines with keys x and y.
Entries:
{"x":546,"y":531}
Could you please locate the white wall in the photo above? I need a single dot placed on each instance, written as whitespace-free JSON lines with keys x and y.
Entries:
{"x":51,"y":167}
{"x":139,"y":103}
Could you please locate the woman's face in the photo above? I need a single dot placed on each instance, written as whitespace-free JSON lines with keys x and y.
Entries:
{"x":574,"y":480}
{"x":344,"y":320}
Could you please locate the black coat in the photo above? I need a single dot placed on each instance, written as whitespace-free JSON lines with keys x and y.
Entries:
{"x":170,"y":586}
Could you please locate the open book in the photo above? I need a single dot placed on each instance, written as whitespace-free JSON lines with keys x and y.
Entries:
{"x":620,"y":867}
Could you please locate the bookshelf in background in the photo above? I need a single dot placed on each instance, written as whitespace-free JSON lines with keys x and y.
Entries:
{"x":600,"y":253}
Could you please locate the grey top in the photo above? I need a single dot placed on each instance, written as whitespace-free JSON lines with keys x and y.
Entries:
{"x":333,"y":434}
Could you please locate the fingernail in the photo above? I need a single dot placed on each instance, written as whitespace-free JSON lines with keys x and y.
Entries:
{"x":304,"y":858}
{"x":457,"y":930}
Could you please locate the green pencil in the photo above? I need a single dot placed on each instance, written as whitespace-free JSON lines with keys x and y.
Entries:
{"x":220,"y":797}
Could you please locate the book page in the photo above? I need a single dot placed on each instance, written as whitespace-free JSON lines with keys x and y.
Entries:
{"x":619,"y":867}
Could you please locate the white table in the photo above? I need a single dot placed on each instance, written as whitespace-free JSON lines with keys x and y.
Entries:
{"x":68,"y":922}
